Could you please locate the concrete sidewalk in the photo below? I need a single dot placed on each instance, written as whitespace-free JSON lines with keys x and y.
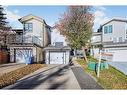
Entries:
{"x":50,"y":77}
{"x":5,"y":68}
{"x":84,"y":79}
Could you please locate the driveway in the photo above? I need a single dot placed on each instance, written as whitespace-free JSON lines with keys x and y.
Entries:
{"x":4,"y":68}
{"x":121,"y":66}
{"x":57,"y":77}
{"x":50,"y":77}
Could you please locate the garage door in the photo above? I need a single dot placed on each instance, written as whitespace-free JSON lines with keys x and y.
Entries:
{"x":21,"y":55}
{"x":120,"y":56}
{"x":57,"y":58}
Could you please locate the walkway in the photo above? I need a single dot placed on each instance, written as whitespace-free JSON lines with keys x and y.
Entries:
{"x":84,"y":79}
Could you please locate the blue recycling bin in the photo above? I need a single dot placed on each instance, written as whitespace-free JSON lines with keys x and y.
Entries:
{"x":29,"y":60}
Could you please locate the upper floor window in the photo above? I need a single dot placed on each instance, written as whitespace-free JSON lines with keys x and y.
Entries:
{"x":105,"y":29}
{"x":126,"y":34}
{"x":28,"y":27}
{"x":108,"y":29}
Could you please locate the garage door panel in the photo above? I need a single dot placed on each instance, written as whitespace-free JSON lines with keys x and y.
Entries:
{"x":120,"y":56}
{"x":21,"y":55}
{"x":56,"y":57}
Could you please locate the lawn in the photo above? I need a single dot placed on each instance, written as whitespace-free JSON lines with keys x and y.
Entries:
{"x":11,"y":77}
{"x":109,"y":78}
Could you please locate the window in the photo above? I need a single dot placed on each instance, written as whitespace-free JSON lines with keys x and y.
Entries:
{"x":126,"y":34}
{"x":58,"y":44}
{"x":105,"y":29}
{"x":110,"y":29}
{"x":120,"y":39}
{"x":28,"y":27}
{"x":114,"y":40}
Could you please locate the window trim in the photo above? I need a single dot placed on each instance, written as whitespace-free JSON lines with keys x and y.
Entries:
{"x":105,"y":29}
{"x":28,"y":26}
{"x":108,"y":29}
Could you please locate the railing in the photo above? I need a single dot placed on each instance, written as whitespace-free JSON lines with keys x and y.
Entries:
{"x":19,"y":39}
{"x":124,"y":43}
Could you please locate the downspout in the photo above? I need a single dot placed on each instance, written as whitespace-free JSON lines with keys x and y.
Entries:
{"x":23,"y":33}
{"x":43,"y":34}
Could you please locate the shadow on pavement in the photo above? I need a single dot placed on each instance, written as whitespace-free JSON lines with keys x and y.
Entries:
{"x":40,"y":78}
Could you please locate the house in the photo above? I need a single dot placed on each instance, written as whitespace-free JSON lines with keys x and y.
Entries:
{"x":59,"y":51}
{"x":30,"y":41}
{"x":96,"y":42}
{"x":114,"y":39}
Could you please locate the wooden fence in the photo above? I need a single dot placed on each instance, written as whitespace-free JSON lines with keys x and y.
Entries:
{"x":4,"y":57}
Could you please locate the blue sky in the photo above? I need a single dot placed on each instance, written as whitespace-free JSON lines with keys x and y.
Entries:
{"x":52,"y":13}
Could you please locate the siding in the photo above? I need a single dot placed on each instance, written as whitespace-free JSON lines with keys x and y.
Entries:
{"x":118,"y":31}
{"x":57,"y":37}
{"x":40,"y":30}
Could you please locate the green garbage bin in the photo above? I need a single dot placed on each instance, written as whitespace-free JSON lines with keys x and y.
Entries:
{"x":92,"y":66}
{"x":106,"y":65}
{"x":102,"y":66}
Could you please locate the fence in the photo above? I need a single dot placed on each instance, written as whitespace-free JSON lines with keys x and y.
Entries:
{"x":105,"y":56}
{"x":4,"y":57}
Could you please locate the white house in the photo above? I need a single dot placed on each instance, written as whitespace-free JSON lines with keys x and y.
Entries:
{"x":96,"y":42}
{"x":114,"y":39}
{"x":58,"y":52}
{"x":35,"y":36}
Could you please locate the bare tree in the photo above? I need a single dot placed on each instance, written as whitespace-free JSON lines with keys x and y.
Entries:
{"x":76,"y":24}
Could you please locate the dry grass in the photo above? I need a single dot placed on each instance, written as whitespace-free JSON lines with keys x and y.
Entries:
{"x":11,"y":77}
{"x":109,"y":78}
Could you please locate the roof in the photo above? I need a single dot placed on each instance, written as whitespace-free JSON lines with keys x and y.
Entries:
{"x":30,"y":16}
{"x":96,"y":33}
{"x":115,"y":19}
{"x":54,"y":48}
{"x":24,"y":45}
{"x":18,"y":30}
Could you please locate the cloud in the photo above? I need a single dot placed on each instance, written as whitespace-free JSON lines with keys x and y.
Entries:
{"x":100,"y":8}
{"x":12,"y":15}
{"x":16,"y":11}
{"x":100,"y":16}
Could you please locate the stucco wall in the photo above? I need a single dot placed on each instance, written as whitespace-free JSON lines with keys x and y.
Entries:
{"x":118,"y":31}
{"x":39,"y":54}
{"x":39,"y":30}
{"x":47,"y":36}
{"x":57,"y":37}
